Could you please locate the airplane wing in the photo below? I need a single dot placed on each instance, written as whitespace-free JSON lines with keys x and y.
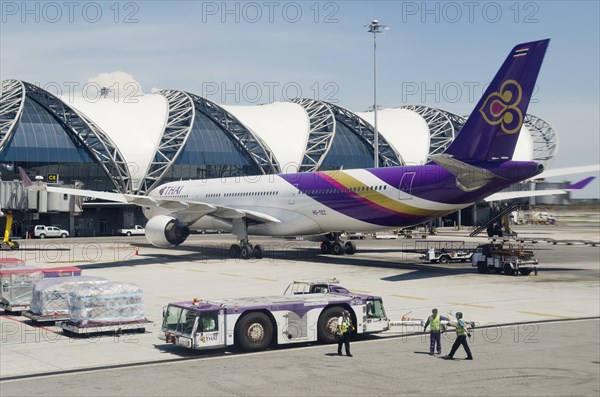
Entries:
{"x":193,"y":210}
{"x":535,"y":193}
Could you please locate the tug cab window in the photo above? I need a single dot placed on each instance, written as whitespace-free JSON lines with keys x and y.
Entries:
{"x":178,"y":319}
{"x":208,"y":322}
{"x":375,"y":309}
{"x":319,"y":289}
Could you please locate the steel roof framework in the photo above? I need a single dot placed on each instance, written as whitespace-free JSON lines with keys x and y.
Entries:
{"x":545,"y":139}
{"x":85,"y":131}
{"x":388,"y":155}
{"x":12,"y":100}
{"x":180,"y":119}
{"x":320,"y":135}
{"x":443,"y":126}
{"x":259,"y":152}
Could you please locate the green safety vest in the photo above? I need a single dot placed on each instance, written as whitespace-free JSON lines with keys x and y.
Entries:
{"x":346,"y":324}
{"x":460,"y":328}
{"x":435,"y":323}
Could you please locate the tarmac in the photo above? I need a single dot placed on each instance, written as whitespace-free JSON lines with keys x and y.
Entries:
{"x":559,"y":309}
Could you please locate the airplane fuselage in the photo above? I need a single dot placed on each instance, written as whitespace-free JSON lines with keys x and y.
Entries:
{"x":342,"y":200}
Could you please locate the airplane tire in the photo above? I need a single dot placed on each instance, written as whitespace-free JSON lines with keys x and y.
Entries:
{"x":326,"y":247}
{"x":258,"y":251}
{"x":327,"y":324}
{"x":337,"y":248}
{"x":254,"y":332}
{"x":234,"y":251}
{"x":482,"y":268}
{"x":246,"y":251}
{"x":508,"y":270}
{"x":350,"y":247}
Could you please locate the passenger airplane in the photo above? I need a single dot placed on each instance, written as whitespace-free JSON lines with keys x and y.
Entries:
{"x":477,"y":164}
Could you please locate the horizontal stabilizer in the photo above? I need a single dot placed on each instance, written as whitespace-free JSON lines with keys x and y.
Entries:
{"x":500,"y":196}
{"x":468,"y":177}
{"x":568,"y":171}
{"x":536,"y":193}
{"x":581,"y":184}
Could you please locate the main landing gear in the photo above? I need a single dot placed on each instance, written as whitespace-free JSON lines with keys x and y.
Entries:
{"x":336,"y":246}
{"x":245,"y":250}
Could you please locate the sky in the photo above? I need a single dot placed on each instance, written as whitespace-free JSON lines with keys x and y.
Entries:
{"x":435,"y":53}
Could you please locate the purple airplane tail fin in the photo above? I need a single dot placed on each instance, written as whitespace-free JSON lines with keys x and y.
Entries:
{"x":492,"y":129}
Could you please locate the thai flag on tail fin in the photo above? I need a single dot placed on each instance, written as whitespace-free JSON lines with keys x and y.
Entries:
{"x":521,"y":52}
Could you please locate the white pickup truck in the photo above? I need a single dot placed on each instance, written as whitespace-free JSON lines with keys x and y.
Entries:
{"x":137,"y":230}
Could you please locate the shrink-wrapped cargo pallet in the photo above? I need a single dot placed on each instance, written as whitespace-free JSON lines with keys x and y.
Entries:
{"x":6,"y":263}
{"x":17,"y":284}
{"x":51,"y":296}
{"x":63,"y":271}
{"x":106,"y":303}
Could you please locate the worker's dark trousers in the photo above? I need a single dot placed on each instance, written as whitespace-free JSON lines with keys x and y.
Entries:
{"x":344,"y":339}
{"x":461,"y":340}
{"x":435,"y":338}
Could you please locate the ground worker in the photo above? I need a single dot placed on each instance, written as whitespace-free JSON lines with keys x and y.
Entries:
{"x":435,"y":331}
{"x":461,"y":338}
{"x":344,"y":329}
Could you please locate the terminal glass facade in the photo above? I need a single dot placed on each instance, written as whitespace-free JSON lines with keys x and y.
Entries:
{"x":210,"y":153}
{"x":347,"y":150}
{"x":41,"y":144}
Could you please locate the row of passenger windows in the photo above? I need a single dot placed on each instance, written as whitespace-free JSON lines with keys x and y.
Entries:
{"x":309,"y":192}
{"x":352,"y":189}
{"x":242,"y":194}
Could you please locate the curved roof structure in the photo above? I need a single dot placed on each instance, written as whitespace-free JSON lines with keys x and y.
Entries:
{"x":544,"y":139}
{"x":405,"y":130}
{"x":282,"y":126}
{"x":135,"y":125}
{"x":338,"y":138}
{"x":48,"y":133}
{"x":443,"y":126}
{"x":141,"y":142}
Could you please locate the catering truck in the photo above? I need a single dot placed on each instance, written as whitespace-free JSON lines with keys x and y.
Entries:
{"x":255,"y":323}
{"x":510,"y":258}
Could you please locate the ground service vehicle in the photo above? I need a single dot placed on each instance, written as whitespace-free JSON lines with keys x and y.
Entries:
{"x":7,"y":243}
{"x":255,"y":323}
{"x":41,"y":231}
{"x":318,"y":286}
{"x":445,"y":256}
{"x":137,"y":230}
{"x":509,"y":257}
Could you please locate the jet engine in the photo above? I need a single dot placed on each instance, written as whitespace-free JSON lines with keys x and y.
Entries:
{"x":165,"y":231}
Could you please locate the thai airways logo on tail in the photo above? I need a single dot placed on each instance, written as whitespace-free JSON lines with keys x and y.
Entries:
{"x":502,"y":107}
{"x":491,"y":131}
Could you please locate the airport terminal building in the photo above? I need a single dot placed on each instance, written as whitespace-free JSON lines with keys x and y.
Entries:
{"x":134,"y":145}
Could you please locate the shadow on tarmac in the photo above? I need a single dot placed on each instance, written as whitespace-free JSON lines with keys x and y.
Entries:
{"x":293,"y":253}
